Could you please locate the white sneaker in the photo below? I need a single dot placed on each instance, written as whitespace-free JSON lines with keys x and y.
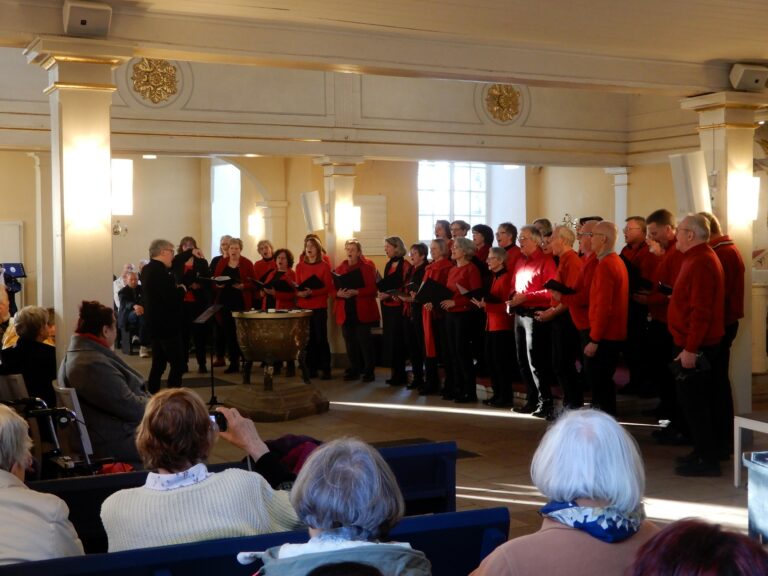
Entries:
{"x":143,"y":352}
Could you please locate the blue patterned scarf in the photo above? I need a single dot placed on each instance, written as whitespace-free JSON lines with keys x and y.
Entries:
{"x":604,"y":523}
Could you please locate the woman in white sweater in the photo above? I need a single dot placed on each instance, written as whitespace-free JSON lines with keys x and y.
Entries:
{"x":181,"y":501}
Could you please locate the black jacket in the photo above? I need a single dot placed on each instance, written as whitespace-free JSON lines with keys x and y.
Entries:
{"x":162,"y":301}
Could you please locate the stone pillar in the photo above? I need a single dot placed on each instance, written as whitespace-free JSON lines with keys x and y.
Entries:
{"x":44,"y":228}
{"x":339,"y":185}
{"x":726,"y":131}
{"x":80,"y":91}
{"x":620,"y":191}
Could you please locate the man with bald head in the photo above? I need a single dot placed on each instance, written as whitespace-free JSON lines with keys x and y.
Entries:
{"x":608,"y":303}
{"x":696,"y":321}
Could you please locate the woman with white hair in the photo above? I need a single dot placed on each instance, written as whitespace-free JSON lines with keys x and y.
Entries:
{"x":35,"y":526}
{"x":589,"y":469}
{"x":348,"y":497}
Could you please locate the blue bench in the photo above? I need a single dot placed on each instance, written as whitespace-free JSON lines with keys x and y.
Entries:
{"x":454,"y":542}
{"x":426,"y":474}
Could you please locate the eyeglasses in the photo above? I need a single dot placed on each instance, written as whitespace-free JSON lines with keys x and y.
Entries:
{"x":523,"y":238}
{"x":628,"y":228}
{"x":167,"y":250}
{"x":600,"y":234}
{"x":587,"y":234}
{"x":681,"y":229}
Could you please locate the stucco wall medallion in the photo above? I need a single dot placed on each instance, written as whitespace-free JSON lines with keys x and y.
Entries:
{"x":503,"y":102}
{"x":155,"y":80}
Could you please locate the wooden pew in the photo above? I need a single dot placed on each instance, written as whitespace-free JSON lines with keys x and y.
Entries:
{"x":426,"y":474}
{"x":454,"y":542}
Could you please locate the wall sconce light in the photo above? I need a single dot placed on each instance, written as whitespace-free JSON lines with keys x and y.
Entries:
{"x":118,"y":229}
{"x":743,"y":195}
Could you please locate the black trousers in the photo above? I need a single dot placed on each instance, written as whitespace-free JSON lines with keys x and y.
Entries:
{"x":532,"y":339}
{"x":600,"y":369}
{"x":498,"y":345}
{"x":318,"y":349}
{"x":393,"y":323}
{"x":698,"y":397}
{"x":230,"y":335}
{"x":662,"y":353}
{"x":565,"y":346}
{"x":461,"y":366}
{"x":360,"y":352}
{"x":415,"y":337}
{"x":166,"y":351}
{"x":195,"y":333}
{"x":478,"y":340}
{"x":440,"y":335}
{"x":724,"y":402}
{"x":636,"y":345}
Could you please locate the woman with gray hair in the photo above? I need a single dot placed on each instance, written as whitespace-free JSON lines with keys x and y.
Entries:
{"x":348,"y":497}
{"x":589,"y":469}
{"x":36,"y":526}
{"x":31,"y":356}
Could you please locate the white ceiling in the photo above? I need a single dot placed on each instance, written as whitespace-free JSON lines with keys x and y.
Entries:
{"x":696,"y":31}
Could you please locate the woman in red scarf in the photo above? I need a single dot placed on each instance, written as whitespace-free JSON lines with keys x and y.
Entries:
{"x":392,"y":310}
{"x":432,"y":320}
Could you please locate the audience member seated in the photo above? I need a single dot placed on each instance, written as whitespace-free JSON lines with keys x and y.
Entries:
{"x":111,"y":393}
{"x":35,"y":526}
{"x":181,"y":501}
{"x":30,"y":356}
{"x":589,"y":469}
{"x":349,"y":498}
{"x":130,"y":315}
{"x":696,"y":548}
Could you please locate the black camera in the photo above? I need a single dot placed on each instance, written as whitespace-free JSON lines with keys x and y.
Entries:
{"x":219,"y":420}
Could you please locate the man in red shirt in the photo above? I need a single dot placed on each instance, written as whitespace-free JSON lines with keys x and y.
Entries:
{"x":532,"y":337}
{"x":733,"y":270}
{"x":695,"y":316}
{"x":608,"y":301}
{"x":641,"y":264}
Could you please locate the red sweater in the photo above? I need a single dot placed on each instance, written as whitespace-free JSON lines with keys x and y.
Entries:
{"x":666,"y":272}
{"x":578,"y":304}
{"x":496,"y":312}
{"x":319,"y":297}
{"x":609,"y":300}
{"x":468,"y":277}
{"x":531,"y":273}
{"x":696,"y":309}
{"x":245,"y":267}
{"x":568,"y":271}
{"x":482,"y":252}
{"x":513,"y":255}
{"x":365,"y":301}
{"x":262,"y":267}
{"x":733,"y":268}
{"x":284,"y":300}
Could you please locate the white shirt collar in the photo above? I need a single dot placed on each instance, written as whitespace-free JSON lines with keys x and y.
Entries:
{"x":165,"y":482}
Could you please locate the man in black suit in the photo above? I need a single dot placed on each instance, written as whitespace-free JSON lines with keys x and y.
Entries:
{"x":164,"y":319}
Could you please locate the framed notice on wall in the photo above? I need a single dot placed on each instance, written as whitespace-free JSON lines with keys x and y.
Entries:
{"x":373,"y":223}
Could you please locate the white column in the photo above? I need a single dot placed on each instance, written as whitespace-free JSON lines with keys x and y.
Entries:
{"x":339,"y":186}
{"x":80,"y":91}
{"x":44,"y":228}
{"x":275,"y":214}
{"x":620,"y":191}
{"x":726,"y":131}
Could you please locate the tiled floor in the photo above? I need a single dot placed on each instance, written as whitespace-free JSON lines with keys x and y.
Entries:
{"x":504,"y":443}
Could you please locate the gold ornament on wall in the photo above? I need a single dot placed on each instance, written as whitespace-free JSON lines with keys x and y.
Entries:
{"x":154,"y":79}
{"x":503,"y":102}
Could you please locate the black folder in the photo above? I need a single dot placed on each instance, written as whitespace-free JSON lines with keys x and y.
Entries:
{"x":276,"y":283}
{"x":553,"y":284}
{"x":312,"y":283}
{"x":432,"y":291}
{"x":390,"y":283}
{"x":478,"y":294}
{"x":352,"y":280}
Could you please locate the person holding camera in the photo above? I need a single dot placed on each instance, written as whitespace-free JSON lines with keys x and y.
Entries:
{"x":181,"y":501}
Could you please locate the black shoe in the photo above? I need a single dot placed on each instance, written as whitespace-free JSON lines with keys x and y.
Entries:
{"x":202,"y":369}
{"x":447,"y":396}
{"x":350,"y":376}
{"x":426,"y":391}
{"x":687,"y":459}
{"x":699,"y":468}
{"x":416,"y":383}
{"x":394,"y":382}
{"x":368,"y":377}
{"x":489,"y":401}
{"x":525,"y":409}
{"x":232,"y":369}
{"x":545,"y":410}
{"x":465,"y":399}
{"x":501,"y":403}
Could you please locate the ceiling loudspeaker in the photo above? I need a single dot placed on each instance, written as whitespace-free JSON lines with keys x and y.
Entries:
{"x":748,"y":77}
{"x":313,"y":211}
{"x":90,"y":19}
{"x":689,"y":176}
